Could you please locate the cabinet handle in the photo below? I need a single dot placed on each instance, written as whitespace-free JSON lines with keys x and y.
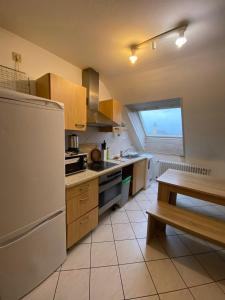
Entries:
{"x":80,"y":125}
{"x":84,"y":220}
{"x":84,"y":199}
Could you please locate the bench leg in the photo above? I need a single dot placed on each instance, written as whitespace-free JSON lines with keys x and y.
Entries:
{"x":155,"y":228}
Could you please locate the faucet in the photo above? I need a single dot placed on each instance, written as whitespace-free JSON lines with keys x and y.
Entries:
{"x":122,"y":152}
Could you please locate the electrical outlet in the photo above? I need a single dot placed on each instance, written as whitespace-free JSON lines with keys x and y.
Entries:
{"x":17,"y":57}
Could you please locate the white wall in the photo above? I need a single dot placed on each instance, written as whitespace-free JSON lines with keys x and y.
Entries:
{"x":200,"y":81}
{"x":37,"y":61}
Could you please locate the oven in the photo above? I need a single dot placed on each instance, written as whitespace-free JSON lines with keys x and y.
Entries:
{"x":75,"y":163}
{"x":110,"y":187}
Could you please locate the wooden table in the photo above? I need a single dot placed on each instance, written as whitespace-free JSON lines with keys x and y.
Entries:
{"x":174,"y":182}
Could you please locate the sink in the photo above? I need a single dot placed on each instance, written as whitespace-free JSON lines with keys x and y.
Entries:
{"x":130,"y":156}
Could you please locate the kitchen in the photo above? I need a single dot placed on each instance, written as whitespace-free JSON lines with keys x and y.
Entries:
{"x":95,"y":100}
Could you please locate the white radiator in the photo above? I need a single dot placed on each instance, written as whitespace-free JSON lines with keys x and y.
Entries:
{"x":164,"y":165}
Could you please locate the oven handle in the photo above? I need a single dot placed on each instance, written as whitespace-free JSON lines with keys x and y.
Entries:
{"x":114,"y":174}
{"x":110,"y":183}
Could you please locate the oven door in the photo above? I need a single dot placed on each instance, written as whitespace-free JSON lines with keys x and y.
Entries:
{"x":109,"y":193}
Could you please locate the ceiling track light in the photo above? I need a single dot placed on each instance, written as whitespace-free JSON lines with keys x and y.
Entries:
{"x":133,"y":57}
{"x":180,"y":41}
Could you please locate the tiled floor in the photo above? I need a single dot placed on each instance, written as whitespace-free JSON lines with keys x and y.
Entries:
{"x":114,"y":262}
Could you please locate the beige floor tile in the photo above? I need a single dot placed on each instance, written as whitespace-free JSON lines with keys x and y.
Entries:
{"x":136,"y":216}
{"x":176,"y":230}
{"x":213,"y":264}
{"x":78,"y":257}
{"x":170,"y":230}
{"x":177,"y":295}
{"x":136,"y":280}
{"x":132,"y":205}
{"x":105,"y":219}
{"x":123,"y":232}
{"x":144,"y":205}
{"x":208,"y":210}
{"x":86,"y":239}
{"x":105,"y":284}
{"x":128,"y":251}
{"x":46,"y":290}
{"x":102,"y":233}
{"x":153,"y":251}
{"x":221,"y":285}
{"x":191,"y":271}
{"x":140,"y":196}
{"x":119,"y":217}
{"x":214,"y":246}
{"x":194,"y":244}
{"x":103,"y":254}
{"x":165,"y":276}
{"x":208,"y":292}
{"x":174,"y":246}
{"x":155,"y":297}
{"x":140,"y":229}
{"x":73,"y":285}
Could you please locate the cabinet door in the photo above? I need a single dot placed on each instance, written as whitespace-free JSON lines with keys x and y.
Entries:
{"x":74,"y":99}
{"x":139,"y":175}
{"x":71,"y":95}
{"x":112,"y":109}
{"x":81,"y":199}
{"x":117,"y":109}
{"x":81,"y":227}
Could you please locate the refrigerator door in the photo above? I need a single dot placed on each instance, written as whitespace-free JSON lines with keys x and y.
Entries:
{"x":32,"y":162}
{"x":31,"y":258}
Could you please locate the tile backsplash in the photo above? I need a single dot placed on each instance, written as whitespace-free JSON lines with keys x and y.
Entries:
{"x":113,"y":141}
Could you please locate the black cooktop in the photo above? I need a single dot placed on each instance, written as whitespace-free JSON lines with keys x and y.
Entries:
{"x":100,"y":165}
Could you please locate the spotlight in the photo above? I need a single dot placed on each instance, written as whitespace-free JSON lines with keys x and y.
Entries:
{"x":181,"y":40}
{"x":133,"y":57}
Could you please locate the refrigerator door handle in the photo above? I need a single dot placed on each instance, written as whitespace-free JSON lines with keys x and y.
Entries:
{"x":29,"y":231}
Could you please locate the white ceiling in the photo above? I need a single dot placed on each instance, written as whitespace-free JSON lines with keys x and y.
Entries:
{"x":98,"y":33}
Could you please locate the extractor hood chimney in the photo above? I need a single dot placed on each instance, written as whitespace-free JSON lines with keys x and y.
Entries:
{"x":90,"y":80}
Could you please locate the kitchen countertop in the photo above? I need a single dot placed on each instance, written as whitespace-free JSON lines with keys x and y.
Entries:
{"x":87,"y":175}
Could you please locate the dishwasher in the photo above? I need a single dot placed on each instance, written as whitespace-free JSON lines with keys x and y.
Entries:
{"x":110,"y":190}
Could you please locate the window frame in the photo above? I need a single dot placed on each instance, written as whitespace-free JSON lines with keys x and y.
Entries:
{"x":162,"y":136}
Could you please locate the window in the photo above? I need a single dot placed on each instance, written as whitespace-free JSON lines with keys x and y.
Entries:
{"x":165,"y":122}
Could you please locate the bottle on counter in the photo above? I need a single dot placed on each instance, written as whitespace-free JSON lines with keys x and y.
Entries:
{"x":103,"y":151}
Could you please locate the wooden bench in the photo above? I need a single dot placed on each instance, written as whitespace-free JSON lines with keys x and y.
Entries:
{"x":202,"y":226}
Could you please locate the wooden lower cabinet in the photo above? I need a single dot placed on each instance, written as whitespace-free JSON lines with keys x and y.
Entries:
{"x":81,"y":199}
{"x":82,"y":226}
{"x":81,"y":210}
{"x":139,"y":176}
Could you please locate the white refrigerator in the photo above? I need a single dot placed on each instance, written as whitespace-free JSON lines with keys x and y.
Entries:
{"x":32,"y":192}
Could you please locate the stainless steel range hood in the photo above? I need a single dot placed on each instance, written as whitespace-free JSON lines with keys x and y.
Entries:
{"x":90,"y":80}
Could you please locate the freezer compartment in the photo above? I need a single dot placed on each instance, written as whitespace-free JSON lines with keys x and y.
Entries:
{"x":31,"y":258}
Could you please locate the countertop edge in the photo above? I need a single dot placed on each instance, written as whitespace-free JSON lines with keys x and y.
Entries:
{"x":76,"y":179}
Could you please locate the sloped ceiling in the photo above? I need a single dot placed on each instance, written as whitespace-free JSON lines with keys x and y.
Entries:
{"x":98,"y":33}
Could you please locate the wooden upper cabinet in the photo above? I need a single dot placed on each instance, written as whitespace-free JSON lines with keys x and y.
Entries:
{"x":139,"y":176}
{"x":112,"y":109}
{"x":73,"y":96}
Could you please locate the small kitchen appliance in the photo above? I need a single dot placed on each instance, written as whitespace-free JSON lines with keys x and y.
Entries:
{"x":73,"y":143}
{"x":75,"y":163}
